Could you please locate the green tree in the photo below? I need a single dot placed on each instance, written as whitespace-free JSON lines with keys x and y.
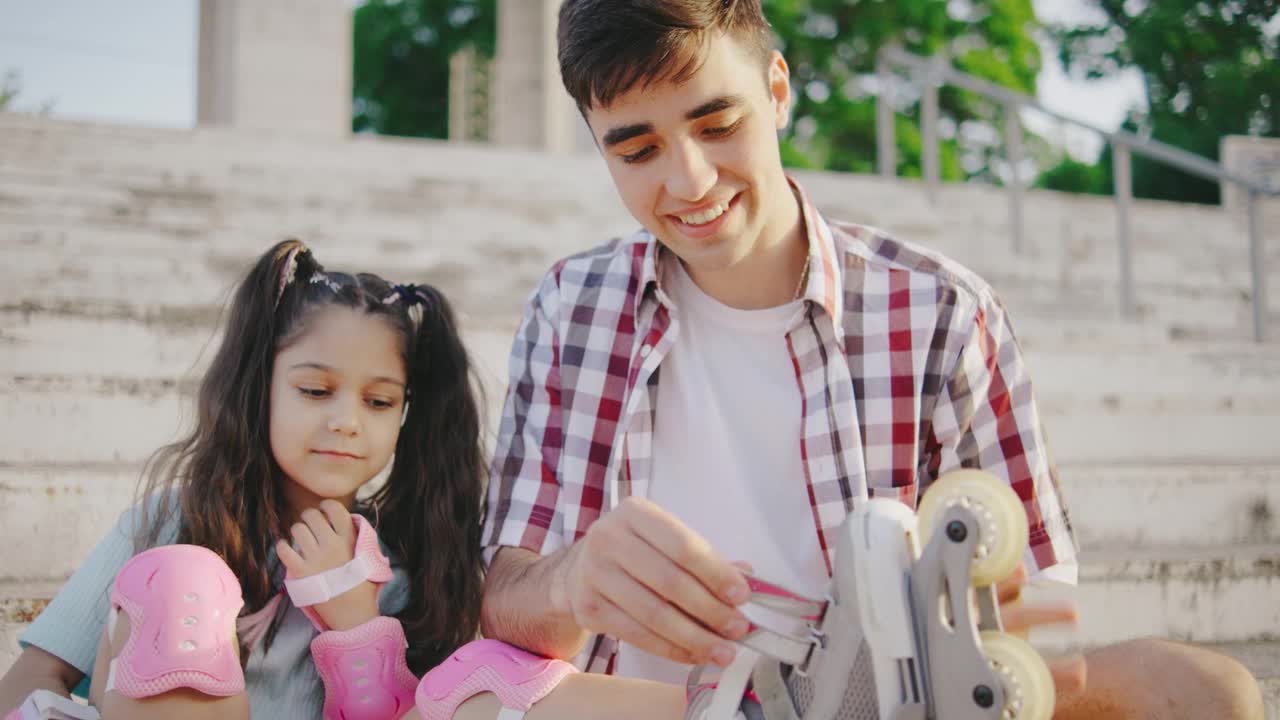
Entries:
{"x":832,"y":45}
{"x":10,"y":85}
{"x":1071,"y":175}
{"x":1211,"y":68}
{"x":402,"y":49}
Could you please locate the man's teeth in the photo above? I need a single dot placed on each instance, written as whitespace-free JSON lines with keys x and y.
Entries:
{"x":705,"y":216}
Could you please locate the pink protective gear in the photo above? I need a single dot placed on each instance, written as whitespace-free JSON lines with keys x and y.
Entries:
{"x":518,"y":678}
{"x":182,"y":602}
{"x":364,"y":671}
{"x":48,"y":705}
{"x":368,"y":564}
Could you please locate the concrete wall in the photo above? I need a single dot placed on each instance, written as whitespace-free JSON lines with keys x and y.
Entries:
{"x":282,"y":65}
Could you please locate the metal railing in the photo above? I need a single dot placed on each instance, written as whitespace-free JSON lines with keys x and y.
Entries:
{"x":929,"y":73}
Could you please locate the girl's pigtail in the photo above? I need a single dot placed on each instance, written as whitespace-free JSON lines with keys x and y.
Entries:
{"x":431,"y":507}
{"x":225,"y":485}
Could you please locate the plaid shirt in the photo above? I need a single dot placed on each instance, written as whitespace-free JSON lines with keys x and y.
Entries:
{"x":905,"y":361}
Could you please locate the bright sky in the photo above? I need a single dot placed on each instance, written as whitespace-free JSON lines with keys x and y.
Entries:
{"x":135,"y":62}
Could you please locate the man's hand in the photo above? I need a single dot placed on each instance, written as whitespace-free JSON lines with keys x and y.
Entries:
{"x":326,"y":539}
{"x":1069,"y":674}
{"x":643,"y":577}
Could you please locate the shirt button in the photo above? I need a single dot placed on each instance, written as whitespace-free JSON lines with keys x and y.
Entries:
{"x":645,"y":350}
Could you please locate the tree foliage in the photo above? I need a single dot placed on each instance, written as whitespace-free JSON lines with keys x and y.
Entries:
{"x":402,"y":49}
{"x":1211,"y":68}
{"x":10,"y":85}
{"x":832,"y":45}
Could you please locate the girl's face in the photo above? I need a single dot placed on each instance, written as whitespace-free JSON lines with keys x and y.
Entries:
{"x":337,"y":395}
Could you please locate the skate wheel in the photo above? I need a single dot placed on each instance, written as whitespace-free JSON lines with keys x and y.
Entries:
{"x":1028,"y":687}
{"x":1000,"y":513}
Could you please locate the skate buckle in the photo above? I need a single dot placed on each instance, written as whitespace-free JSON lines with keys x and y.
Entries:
{"x":817,"y":639}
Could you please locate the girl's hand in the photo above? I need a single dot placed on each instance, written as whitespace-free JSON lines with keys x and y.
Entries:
{"x":326,"y":539}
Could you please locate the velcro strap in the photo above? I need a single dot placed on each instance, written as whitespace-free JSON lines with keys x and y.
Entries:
{"x":782,"y":622}
{"x":367,"y":563}
{"x":788,"y":649}
{"x":779,"y":599}
{"x":46,"y":705}
{"x":322,"y":587}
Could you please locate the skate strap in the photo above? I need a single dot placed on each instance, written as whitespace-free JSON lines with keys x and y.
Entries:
{"x":783,"y":624}
{"x":729,"y":690}
{"x":47,"y":705}
{"x":368,"y":563}
{"x":776,"y":597}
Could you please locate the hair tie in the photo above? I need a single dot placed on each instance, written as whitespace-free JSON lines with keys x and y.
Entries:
{"x":288,"y":270}
{"x":320,"y":277}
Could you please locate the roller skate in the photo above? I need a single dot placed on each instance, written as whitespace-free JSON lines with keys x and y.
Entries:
{"x":910,"y":627}
{"x":47,"y":705}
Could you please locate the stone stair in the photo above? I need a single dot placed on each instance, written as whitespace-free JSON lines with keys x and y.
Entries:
{"x":121,"y":244}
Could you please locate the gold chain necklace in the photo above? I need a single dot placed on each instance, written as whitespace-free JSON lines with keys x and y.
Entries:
{"x":804,"y":274}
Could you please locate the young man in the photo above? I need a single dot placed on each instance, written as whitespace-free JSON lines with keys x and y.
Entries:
{"x":728,"y":382}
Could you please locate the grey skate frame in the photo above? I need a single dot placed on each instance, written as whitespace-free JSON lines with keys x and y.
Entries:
{"x":948,"y":677}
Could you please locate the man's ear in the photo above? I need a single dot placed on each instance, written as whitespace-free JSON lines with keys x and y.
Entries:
{"x":779,"y":76}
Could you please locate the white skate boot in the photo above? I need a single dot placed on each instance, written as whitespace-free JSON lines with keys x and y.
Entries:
{"x":47,"y":705}
{"x":910,"y":629}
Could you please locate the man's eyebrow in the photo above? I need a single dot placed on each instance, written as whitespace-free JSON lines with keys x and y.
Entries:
{"x":625,"y":133}
{"x":723,"y":102}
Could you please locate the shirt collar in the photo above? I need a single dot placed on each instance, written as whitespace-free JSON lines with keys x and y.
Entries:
{"x":822,"y":287}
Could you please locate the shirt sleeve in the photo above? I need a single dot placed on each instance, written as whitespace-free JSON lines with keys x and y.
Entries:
{"x":524,"y":496}
{"x":71,"y":625}
{"x":986,"y":418}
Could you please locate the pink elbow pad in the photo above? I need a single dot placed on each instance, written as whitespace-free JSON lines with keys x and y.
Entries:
{"x":368,"y":564}
{"x":518,"y":678}
{"x":364,"y":672}
{"x":182,"y":602}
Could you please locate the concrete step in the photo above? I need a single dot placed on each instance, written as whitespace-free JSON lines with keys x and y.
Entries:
{"x":97,"y":419}
{"x":1194,"y":594}
{"x":67,"y":256}
{"x":54,"y":512}
{"x":1146,"y":507}
{"x":1039,"y":335}
{"x":63,"y":338}
{"x":414,"y":204}
{"x":20,"y":603}
{"x":1263,"y":660}
{"x":123,"y":419}
{"x":223,"y":162}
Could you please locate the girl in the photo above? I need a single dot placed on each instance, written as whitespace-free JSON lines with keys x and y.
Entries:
{"x":323,"y":380}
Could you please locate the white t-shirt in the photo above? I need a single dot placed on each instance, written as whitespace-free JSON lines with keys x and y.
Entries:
{"x":726,"y":447}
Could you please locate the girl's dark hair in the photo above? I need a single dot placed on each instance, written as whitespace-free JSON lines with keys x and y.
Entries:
{"x":228,"y":488}
{"x":609,"y":47}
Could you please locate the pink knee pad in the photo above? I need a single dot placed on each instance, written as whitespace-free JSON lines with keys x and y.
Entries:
{"x":364,"y":673}
{"x":182,"y":602}
{"x":518,"y":678}
{"x":368,"y":564}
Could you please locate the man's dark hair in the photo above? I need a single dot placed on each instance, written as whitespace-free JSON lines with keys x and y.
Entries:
{"x":609,"y":47}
